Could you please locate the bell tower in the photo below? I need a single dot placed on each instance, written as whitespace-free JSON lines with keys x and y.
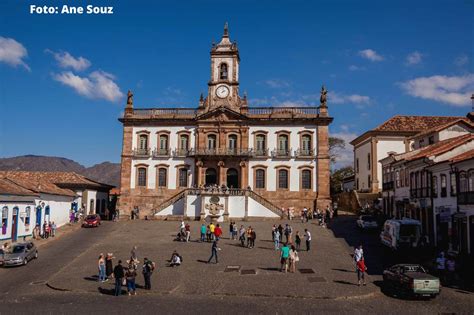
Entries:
{"x":224,"y":82}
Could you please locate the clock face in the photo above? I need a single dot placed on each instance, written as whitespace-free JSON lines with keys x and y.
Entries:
{"x":222,"y":91}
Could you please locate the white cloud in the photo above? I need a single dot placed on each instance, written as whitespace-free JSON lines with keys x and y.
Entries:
{"x":98,"y":85}
{"x":66,"y":60}
{"x":414,"y":58}
{"x":461,"y":60}
{"x":455,"y":90}
{"x":339,"y":98}
{"x":370,"y":54}
{"x":355,"y":68}
{"x":345,"y":157}
{"x":13,"y":52}
{"x":277,"y":83}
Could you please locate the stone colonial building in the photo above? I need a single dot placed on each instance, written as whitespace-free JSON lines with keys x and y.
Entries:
{"x":266,"y":157}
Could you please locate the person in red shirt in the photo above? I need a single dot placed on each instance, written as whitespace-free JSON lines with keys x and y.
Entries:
{"x":361,"y":269}
{"x":218,"y":232}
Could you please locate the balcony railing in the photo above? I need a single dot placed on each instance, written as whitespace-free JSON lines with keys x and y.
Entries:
{"x":220,"y":152}
{"x":308,"y":111}
{"x":260,"y":152}
{"x":466,"y":198}
{"x":278,"y":153}
{"x":161,"y":152}
{"x":165,"y":112}
{"x":180,"y":152}
{"x":424,"y":192}
{"x":141,"y":152}
{"x":304,"y":153}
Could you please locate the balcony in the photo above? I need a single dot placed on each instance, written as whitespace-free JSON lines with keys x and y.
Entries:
{"x":141,"y":153}
{"x":304,"y":153}
{"x":161,"y":153}
{"x":387,"y":186}
{"x":466,"y":198}
{"x":281,"y":154}
{"x":221,"y":152}
{"x":260,"y":153}
{"x":180,"y":153}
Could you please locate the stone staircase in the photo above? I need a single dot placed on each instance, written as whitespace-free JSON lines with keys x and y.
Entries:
{"x":265,"y":202}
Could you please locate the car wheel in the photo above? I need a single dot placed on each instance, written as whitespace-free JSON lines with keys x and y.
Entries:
{"x":36,"y":255}
{"x":25,"y":261}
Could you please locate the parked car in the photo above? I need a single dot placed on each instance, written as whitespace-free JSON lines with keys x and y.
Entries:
{"x":367,"y":222}
{"x":92,"y":220}
{"x":401,"y":234}
{"x":19,"y":254}
{"x":411,"y":280}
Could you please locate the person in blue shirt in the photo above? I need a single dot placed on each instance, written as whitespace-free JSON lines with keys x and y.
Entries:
{"x":285,"y":254}
{"x":203,"y":232}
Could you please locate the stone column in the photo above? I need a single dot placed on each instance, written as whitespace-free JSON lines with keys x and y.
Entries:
{"x":198,"y":174}
{"x":222,"y":173}
{"x":323,"y":160}
{"x":246,"y":206}
{"x":202,"y":213}
{"x":226,"y":208}
{"x":125,"y":203}
{"x":244,"y":175}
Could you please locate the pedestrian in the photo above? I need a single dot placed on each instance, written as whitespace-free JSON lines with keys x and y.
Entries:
{"x":276,"y":239}
{"x":101,"y":265}
{"x":217,"y":232}
{"x":231,"y":230}
{"x":361,"y":269}
{"x":187,"y":229}
{"x":450,"y":270}
{"x":203,"y":232}
{"x":294,"y":258}
{"x":214,"y":250}
{"x":280,"y":229}
{"x":134,"y":257}
{"x":212,"y":228}
{"x":147,"y":270}
{"x":358,"y":253}
{"x":302,"y":216}
{"x":285,"y":253}
{"x":273,"y":232}
{"x":441,"y":266}
{"x":297,"y":240}
{"x":53,"y":229}
{"x":131,"y":275}
{"x":305,"y":213}
{"x":242,"y":235}
{"x":234,"y":227}
{"x":118,"y":275}
{"x":109,"y":267}
{"x":254,"y":237}
{"x":307,"y":235}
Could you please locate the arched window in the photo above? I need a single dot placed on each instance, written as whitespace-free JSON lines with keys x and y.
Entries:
{"x":4,"y":220}
{"x":261,"y":144}
{"x":282,"y":179}
{"x":183,"y":177}
{"x":143,"y":142}
{"x":27,"y":215}
{"x":141,"y":177}
{"x":463,"y":186}
{"x":470,"y":180}
{"x":163,"y":140}
{"x":260,"y":179}
{"x":434,"y":186}
{"x":443,"y":186}
{"x":282,"y":145}
{"x":162,"y":177}
{"x":211,"y":142}
{"x":232,"y":143}
{"x":306,"y":179}
{"x":183,"y":142}
{"x":91,"y":206}
{"x":306,"y":145}
{"x":223,"y":73}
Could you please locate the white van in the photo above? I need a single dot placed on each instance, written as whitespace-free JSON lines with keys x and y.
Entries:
{"x":404,"y":233}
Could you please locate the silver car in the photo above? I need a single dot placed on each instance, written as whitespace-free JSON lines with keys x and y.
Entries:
{"x":19,"y":254}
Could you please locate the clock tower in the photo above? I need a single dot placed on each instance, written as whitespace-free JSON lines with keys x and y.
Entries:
{"x":224,"y":82}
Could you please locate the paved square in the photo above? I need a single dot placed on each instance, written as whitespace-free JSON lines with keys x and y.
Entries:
{"x":240,"y":271}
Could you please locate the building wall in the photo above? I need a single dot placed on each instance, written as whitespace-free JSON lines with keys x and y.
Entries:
{"x":362,"y":173}
{"x":153,"y":137}
{"x":60,"y":207}
{"x":383,"y":147}
{"x":22,"y":228}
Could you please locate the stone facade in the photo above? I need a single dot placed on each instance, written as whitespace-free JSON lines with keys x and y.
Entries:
{"x":281,"y":154}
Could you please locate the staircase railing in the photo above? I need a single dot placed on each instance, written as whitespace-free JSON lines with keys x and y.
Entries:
{"x":178,"y":196}
{"x":275,"y":209}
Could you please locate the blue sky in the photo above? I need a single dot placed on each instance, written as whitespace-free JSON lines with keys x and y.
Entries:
{"x":63,"y":78}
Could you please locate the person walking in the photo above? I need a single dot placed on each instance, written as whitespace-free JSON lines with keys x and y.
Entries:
{"x":234,"y":231}
{"x":147,"y":270}
{"x":361,"y":269}
{"x":285,"y":253}
{"x":109,"y":267}
{"x":208,"y":233}
{"x":242,"y":235}
{"x":297,"y":240}
{"x":358,"y":253}
{"x":187,"y":229}
{"x":131,"y":275}
{"x":212,"y":228}
{"x":294,"y":258}
{"x":118,"y":275}
{"x":101,"y":265}
{"x":276,"y":239}
{"x":217,"y":232}
{"x":231,"y":230}
{"x":203,"y":232}
{"x":307,"y":235}
{"x":280,"y":229}
{"x":273,"y":232}
{"x":214,"y":250}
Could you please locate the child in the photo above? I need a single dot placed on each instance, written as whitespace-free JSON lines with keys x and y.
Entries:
{"x":361,"y":269}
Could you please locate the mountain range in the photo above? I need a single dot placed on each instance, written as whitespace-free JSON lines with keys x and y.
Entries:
{"x":106,"y":172}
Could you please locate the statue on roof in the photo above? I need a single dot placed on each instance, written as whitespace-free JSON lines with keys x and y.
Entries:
{"x":129,"y":98}
{"x":323,"y":98}
{"x":226,"y":29}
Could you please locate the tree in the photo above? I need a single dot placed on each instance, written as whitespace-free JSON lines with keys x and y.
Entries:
{"x":335,"y":146}
{"x":337,"y":178}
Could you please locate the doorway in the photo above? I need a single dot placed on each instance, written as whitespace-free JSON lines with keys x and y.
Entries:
{"x":211,"y":176}
{"x":15,"y":224}
{"x":232,"y":178}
